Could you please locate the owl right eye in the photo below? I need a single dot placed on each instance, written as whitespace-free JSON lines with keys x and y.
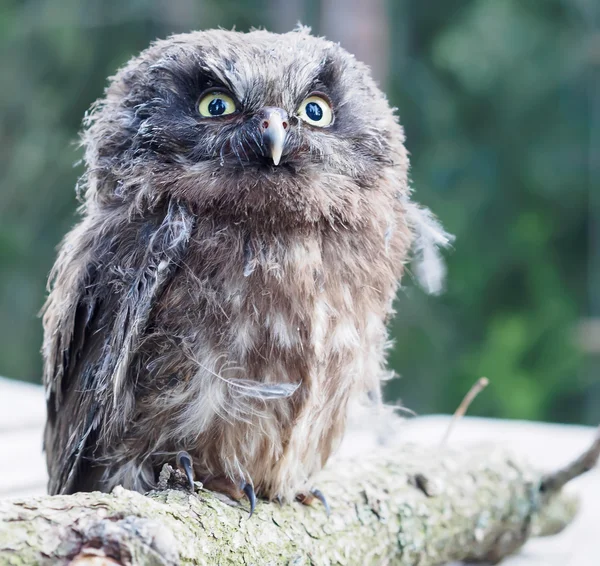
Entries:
{"x":215,"y":104}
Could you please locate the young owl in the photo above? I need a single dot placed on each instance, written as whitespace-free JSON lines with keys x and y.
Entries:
{"x":246,"y":219}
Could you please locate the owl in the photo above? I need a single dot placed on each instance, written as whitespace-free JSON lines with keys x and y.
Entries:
{"x":246,"y":218}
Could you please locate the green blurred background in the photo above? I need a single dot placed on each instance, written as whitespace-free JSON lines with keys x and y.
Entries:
{"x":501,"y":104}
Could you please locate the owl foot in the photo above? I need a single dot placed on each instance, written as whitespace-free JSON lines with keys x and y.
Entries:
{"x":184,"y":463}
{"x":308,"y":498}
{"x":229,"y":488}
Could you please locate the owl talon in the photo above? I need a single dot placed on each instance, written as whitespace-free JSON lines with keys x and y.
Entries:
{"x":308,"y":498}
{"x":184,"y":463}
{"x":319,"y":495}
{"x":248,"y":489}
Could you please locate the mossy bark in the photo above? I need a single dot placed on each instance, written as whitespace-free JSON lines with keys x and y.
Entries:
{"x":409,"y":506}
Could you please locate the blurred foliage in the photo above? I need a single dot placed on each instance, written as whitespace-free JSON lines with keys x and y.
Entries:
{"x":494,"y":96}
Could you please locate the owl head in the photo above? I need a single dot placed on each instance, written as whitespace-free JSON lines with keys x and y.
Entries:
{"x":251,"y":125}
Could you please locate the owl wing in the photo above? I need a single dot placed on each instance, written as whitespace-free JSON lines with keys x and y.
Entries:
{"x":94,"y":320}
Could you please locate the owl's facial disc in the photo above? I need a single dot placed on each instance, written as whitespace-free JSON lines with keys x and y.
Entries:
{"x":249,"y":124}
{"x":274,"y":125}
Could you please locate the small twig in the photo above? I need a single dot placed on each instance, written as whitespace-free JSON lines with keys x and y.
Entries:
{"x":479,"y":385}
{"x":551,"y":483}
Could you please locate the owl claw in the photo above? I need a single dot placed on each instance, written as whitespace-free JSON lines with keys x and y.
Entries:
{"x":308,"y":498}
{"x":319,"y":495}
{"x":184,"y":463}
{"x":248,"y":489}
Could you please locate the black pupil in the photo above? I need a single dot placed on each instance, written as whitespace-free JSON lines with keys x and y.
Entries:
{"x":217,"y":106}
{"x":314,"y":111}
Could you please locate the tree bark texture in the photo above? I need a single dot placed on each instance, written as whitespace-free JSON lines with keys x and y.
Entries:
{"x":407,"y":506}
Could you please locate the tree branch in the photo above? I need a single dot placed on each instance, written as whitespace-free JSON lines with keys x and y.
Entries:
{"x":412,"y":505}
{"x":555,"y":481}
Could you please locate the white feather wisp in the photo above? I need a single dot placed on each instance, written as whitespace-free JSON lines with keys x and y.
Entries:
{"x":429,"y":238}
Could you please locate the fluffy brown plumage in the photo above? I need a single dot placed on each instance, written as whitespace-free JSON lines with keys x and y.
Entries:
{"x":210,"y":301}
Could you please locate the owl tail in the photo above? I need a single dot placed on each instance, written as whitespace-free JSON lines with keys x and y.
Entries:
{"x":429,"y":238}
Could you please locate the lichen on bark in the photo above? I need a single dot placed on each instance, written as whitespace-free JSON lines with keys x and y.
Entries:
{"x":403,"y":506}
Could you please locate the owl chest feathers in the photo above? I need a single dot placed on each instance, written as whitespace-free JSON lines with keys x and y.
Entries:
{"x":288,"y":309}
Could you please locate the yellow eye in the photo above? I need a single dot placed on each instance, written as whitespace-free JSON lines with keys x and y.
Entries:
{"x":316,"y":111}
{"x":216,"y":104}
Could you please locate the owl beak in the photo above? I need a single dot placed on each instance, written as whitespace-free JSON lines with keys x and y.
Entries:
{"x":274,"y":126}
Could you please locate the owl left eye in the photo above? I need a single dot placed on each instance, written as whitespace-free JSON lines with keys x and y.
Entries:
{"x":316,"y":111}
{"x":216,"y":104}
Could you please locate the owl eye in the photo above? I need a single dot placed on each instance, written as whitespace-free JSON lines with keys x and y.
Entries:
{"x":215,"y":104}
{"x":316,"y":111}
